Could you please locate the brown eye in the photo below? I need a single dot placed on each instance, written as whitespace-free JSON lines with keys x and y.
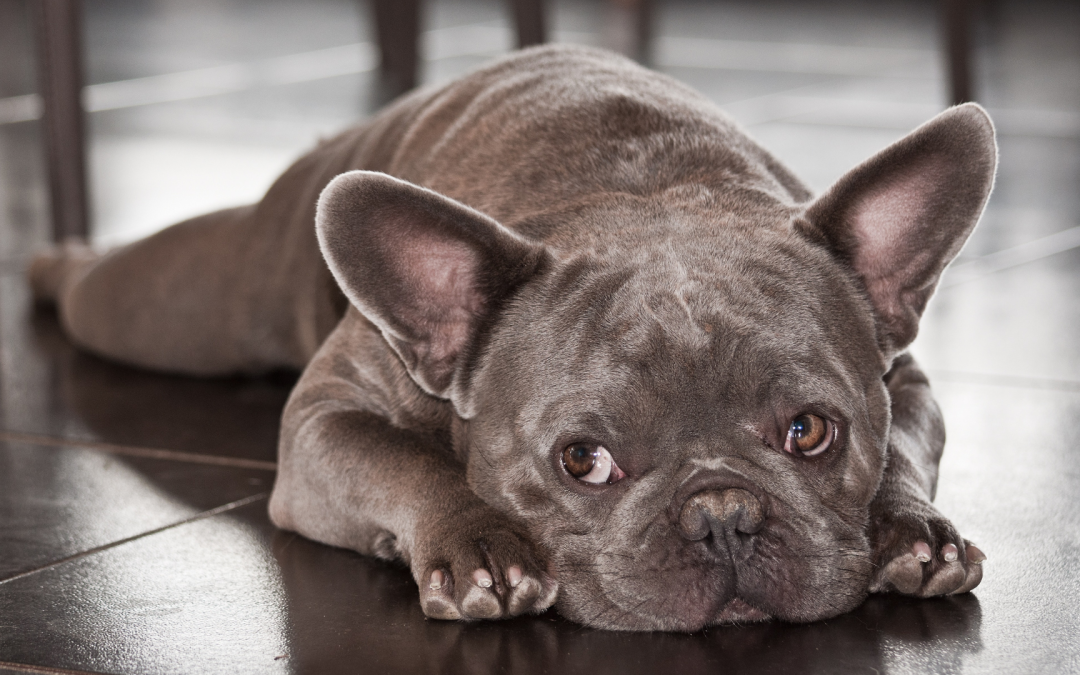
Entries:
{"x":590,"y":463}
{"x":579,"y":459}
{"x":809,"y":435}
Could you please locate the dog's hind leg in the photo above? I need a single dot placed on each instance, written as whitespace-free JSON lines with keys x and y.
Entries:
{"x":219,"y":294}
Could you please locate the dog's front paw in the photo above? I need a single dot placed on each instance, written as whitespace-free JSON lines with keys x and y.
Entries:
{"x":917,"y":551}
{"x":481,"y":569}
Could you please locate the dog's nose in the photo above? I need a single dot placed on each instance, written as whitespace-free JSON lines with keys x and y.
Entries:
{"x":719,"y":511}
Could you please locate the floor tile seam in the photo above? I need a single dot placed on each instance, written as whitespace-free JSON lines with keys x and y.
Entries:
{"x":47,"y":670}
{"x":202,"y":515}
{"x":137,"y":451}
{"x":1017,"y":381}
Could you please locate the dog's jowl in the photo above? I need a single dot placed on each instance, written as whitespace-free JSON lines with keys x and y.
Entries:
{"x":570,"y":337}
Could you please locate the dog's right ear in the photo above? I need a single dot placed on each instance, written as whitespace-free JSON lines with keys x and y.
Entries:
{"x":427,"y":270}
{"x":900,"y":217}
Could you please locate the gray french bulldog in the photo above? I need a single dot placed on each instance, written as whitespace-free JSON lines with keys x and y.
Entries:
{"x":570,"y":337}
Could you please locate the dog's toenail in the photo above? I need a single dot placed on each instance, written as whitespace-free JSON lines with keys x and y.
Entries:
{"x":436,"y":580}
{"x":921,"y":551}
{"x":514,"y":576}
{"x":482,"y":578}
{"x":974,"y":555}
{"x":949,"y":552}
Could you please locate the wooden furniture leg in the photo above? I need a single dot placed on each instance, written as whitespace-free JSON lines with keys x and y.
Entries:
{"x":628,"y":28}
{"x":529,"y":22}
{"x":643,"y":31}
{"x":959,"y":16}
{"x":59,"y":30}
{"x":397,"y":23}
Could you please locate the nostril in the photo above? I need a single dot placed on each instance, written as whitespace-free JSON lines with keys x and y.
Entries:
{"x":743,"y":511}
{"x":693,"y":524}
{"x":711,"y":511}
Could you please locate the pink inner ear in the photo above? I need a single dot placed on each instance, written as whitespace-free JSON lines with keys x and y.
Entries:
{"x":439,"y":276}
{"x":894,"y":227}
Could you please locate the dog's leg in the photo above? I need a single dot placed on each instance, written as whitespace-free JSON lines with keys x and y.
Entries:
{"x":218,"y":294}
{"x":366,"y":463}
{"x":917,"y":550}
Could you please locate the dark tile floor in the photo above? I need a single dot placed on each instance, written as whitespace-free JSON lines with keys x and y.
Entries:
{"x":133,"y":532}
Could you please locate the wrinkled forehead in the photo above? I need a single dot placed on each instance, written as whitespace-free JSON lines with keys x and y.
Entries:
{"x":696,"y":324}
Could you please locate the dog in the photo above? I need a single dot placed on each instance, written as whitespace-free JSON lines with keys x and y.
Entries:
{"x":570,"y":337}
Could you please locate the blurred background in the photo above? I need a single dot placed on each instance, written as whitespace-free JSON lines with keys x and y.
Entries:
{"x":198,"y":104}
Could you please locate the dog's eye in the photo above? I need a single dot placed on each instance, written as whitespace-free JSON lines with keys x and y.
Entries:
{"x":809,"y":435}
{"x":590,"y":463}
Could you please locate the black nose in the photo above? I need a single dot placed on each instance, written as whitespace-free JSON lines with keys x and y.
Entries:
{"x":720,"y":512}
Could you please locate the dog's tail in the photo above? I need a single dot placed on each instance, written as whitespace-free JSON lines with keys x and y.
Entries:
{"x":56,"y":269}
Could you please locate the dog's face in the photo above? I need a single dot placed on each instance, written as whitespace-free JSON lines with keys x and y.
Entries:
{"x":621,"y":389}
{"x":689,"y":417}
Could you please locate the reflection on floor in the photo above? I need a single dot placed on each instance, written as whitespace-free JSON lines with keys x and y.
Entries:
{"x":133,"y":534}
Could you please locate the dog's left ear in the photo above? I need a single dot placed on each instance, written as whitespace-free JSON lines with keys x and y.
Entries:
{"x":900,"y":217}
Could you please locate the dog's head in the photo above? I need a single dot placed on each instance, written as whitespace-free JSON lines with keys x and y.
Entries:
{"x":689,"y":417}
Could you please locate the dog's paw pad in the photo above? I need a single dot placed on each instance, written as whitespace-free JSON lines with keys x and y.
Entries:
{"x":903,"y":573}
{"x":480,"y":602}
{"x":531,"y":595}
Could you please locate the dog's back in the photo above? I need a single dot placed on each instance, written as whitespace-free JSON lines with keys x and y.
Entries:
{"x":246,"y":290}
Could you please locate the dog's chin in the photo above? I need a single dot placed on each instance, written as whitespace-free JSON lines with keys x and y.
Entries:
{"x":737,"y":611}
{"x":692,"y":617}
{"x":688,"y":618}
{"x":688,"y":599}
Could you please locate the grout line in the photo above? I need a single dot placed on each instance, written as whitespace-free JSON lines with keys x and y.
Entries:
{"x":46,"y":670}
{"x":1069,"y":386}
{"x":135,"y":451}
{"x":105,"y":547}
